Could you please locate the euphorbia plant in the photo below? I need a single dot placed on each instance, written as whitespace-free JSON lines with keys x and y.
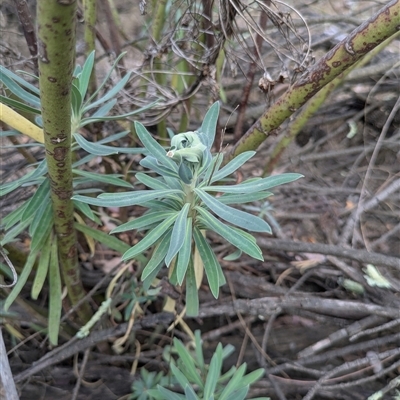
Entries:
{"x":181,"y":208}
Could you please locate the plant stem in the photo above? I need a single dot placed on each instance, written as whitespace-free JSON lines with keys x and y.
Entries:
{"x":314,"y":104}
{"x":362,"y":40}
{"x":90,"y":16}
{"x":56,"y":38}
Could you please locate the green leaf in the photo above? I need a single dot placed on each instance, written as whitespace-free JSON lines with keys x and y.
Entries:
{"x":86,"y":210}
{"x":243,"y":198}
{"x":55,"y":295}
{"x":19,"y":105}
{"x":235,"y":217}
{"x":233,"y":165}
{"x":110,"y":94}
{"x":37,"y":217}
{"x":234,"y":383}
{"x":18,"y":90}
{"x":21,"y":81}
{"x":110,"y":179}
{"x":160,"y":250}
{"x":184,"y":253}
{"x":94,"y":95}
{"x":114,"y":137}
{"x":125,"y":199}
{"x":150,"y":238}
{"x":90,"y":120}
{"x":15,"y":231}
{"x":102,"y":237}
{"x":94,"y":148}
{"x":9,"y":187}
{"x":39,"y":236}
{"x":233,"y":256}
{"x":168,"y":395}
{"x":190,"y":394}
{"x":192,"y":295}
{"x":151,"y":163}
{"x":40,"y":196}
{"x":210,"y":262}
{"x":209,"y":125}
{"x":152,"y":183}
{"x":189,"y":368}
{"x":212,"y":168}
{"x":99,"y":149}
{"x":214,"y":373}
{"x":199,"y":351}
{"x":42,"y":269}
{"x":104,"y":109}
{"x":178,"y":235}
{"x":76,"y":101}
{"x":252,"y":377}
{"x":154,"y":148}
{"x":255,"y":185}
{"x":233,"y":236}
{"x":15,"y":216}
{"x":84,"y":77}
{"x":144,"y":221}
{"x":30,"y":261}
{"x":179,"y":375}
{"x":239,"y":394}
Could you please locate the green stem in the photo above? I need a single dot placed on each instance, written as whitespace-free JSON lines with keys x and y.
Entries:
{"x":90,"y":16}
{"x":314,"y":104}
{"x":362,"y":40}
{"x":57,"y":39}
{"x":158,"y":25}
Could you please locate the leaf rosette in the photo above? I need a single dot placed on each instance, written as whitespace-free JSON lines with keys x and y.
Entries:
{"x":182,"y":208}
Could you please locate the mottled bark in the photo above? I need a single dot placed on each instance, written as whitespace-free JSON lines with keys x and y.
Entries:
{"x":56,"y":40}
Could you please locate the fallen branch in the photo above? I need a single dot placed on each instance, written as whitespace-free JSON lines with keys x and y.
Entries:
{"x":362,"y":256}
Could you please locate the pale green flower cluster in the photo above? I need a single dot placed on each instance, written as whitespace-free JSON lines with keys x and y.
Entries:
{"x":188,"y":151}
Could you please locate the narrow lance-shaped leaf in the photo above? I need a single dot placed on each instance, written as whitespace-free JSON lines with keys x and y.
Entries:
{"x":104,"y":109}
{"x":256,"y":185}
{"x":101,"y":149}
{"x":242,"y":198}
{"x":209,"y":125}
{"x":108,"y":179}
{"x":151,"y":182}
{"x":125,"y":199}
{"x":184,"y":253}
{"x":21,"y":81}
{"x":84,"y":76}
{"x":232,"y":166}
{"x":149,"y":239}
{"x":151,"y":163}
{"x":178,"y":234}
{"x":30,"y":261}
{"x":235,"y":217}
{"x":110,"y":94}
{"x":55,"y":296}
{"x":144,"y":221}
{"x":20,"y":92}
{"x":42,"y":269}
{"x":189,"y":368}
{"x":160,"y":250}
{"x":94,"y":95}
{"x":43,"y":229}
{"x":192,"y":295}
{"x":231,"y":235}
{"x":213,"y":373}
{"x":154,"y":148}
{"x":210,"y":262}
{"x":41,"y":194}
